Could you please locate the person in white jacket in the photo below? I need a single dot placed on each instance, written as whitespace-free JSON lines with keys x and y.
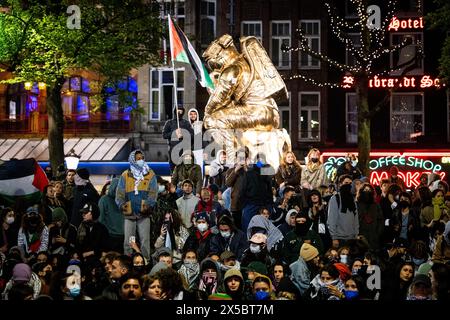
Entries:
{"x":197,"y":126}
{"x":186,"y":204}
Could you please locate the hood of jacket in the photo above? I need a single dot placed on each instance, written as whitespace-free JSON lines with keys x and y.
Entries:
{"x":113,"y":187}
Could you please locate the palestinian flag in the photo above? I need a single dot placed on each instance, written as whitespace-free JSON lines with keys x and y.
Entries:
{"x":21,"y":180}
{"x":182,"y":51}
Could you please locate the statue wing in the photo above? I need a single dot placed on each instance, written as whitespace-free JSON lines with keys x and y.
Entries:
{"x":261,"y":64}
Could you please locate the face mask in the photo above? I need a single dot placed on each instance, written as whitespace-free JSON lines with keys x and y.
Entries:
{"x":397,"y":197}
{"x":139,"y":269}
{"x":259,"y":164}
{"x":255,"y":248}
{"x":225,"y":234}
{"x":344,"y":258}
{"x":350,"y":295}
{"x":140,"y":163}
{"x":261,"y":295}
{"x":209,"y":277}
{"x":161,"y":189}
{"x":404,"y":204}
{"x":187,"y":160}
{"x":354,"y":163}
{"x":202,"y":227}
{"x":346,"y":188}
{"x":355,"y":271}
{"x":418,"y":262}
{"x":10,"y":220}
{"x":74,"y":291}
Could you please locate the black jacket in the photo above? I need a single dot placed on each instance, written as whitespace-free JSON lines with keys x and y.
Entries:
{"x":81,"y":196}
{"x":236,"y":244}
{"x":97,"y":240}
{"x":171,"y":125}
{"x":257,"y":188}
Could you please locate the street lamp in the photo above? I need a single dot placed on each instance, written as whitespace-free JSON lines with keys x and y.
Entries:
{"x":72,"y":160}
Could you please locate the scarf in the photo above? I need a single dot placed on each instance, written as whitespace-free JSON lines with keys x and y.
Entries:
{"x":274,"y":235}
{"x":190,"y":271}
{"x":137,"y":172}
{"x":208,"y":282}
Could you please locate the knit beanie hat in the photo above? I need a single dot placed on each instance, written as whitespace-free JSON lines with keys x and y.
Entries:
{"x":308,"y":252}
{"x":258,"y":267}
{"x":21,"y":273}
{"x":158,"y":267}
{"x":59,"y":214}
{"x":83,"y":173}
{"x":233,"y":273}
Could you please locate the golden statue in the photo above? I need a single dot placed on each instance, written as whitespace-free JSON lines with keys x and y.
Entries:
{"x":247,"y":87}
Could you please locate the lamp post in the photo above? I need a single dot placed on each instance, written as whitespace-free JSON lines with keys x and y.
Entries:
{"x":72,"y":160}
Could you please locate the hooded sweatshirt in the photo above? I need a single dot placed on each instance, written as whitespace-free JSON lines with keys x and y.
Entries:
{"x":191,"y":171}
{"x":197,"y":126}
{"x":207,"y":282}
{"x":217,"y":170}
{"x":110,"y":215}
{"x":342,"y":225}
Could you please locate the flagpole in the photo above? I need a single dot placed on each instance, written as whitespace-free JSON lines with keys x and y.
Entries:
{"x":169,"y":20}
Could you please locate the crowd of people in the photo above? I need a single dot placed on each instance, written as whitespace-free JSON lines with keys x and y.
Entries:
{"x":236,"y":234}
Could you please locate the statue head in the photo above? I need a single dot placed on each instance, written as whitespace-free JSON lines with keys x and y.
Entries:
{"x":220,"y":52}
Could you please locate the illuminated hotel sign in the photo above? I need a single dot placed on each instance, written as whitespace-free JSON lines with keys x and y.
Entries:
{"x":411,"y":165}
{"x":395,"y":82}
{"x":400,"y":24}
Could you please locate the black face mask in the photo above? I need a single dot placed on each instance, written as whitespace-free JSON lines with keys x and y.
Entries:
{"x":314,"y":160}
{"x":139,"y":269}
{"x":404,"y":204}
{"x":346,"y":188}
{"x":301,"y":229}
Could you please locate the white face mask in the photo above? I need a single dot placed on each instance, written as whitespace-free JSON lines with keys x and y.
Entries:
{"x":202,"y":227}
{"x":343,"y":258}
{"x":255,"y":248}
{"x":140,"y":163}
{"x":225,"y":234}
{"x":10,"y":220}
{"x":161,"y":189}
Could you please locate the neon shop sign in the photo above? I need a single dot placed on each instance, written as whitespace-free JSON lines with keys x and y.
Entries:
{"x":411,"y":177}
{"x":399,"y":24}
{"x":423,"y":82}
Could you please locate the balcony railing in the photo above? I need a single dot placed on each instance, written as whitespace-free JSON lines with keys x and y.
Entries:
{"x":73,"y":123}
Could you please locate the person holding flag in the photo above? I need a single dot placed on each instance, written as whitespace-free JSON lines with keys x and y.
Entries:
{"x":182,"y":51}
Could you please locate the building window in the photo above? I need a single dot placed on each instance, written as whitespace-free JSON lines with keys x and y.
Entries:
{"x":351,"y":119}
{"x":162,"y":100}
{"x":311,"y":31}
{"x":208,"y":21}
{"x":285,"y":114}
{"x":350,"y":59}
{"x":121,"y":99}
{"x":409,"y":7}
{"x":252,"y":28}
{"x":281,"y":37}
{"x":407,"y":121}
{"x":309,"y":116}
{"x":406,"y":54}
{"x":75,"y":99}
{"x":175,"y":9}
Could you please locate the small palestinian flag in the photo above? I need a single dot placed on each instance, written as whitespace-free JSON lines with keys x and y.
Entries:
{"x":182,"y":51}
{"x":21,"y":180}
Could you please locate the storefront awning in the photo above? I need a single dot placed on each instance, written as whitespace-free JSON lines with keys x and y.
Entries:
{"x":89,"y":149}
